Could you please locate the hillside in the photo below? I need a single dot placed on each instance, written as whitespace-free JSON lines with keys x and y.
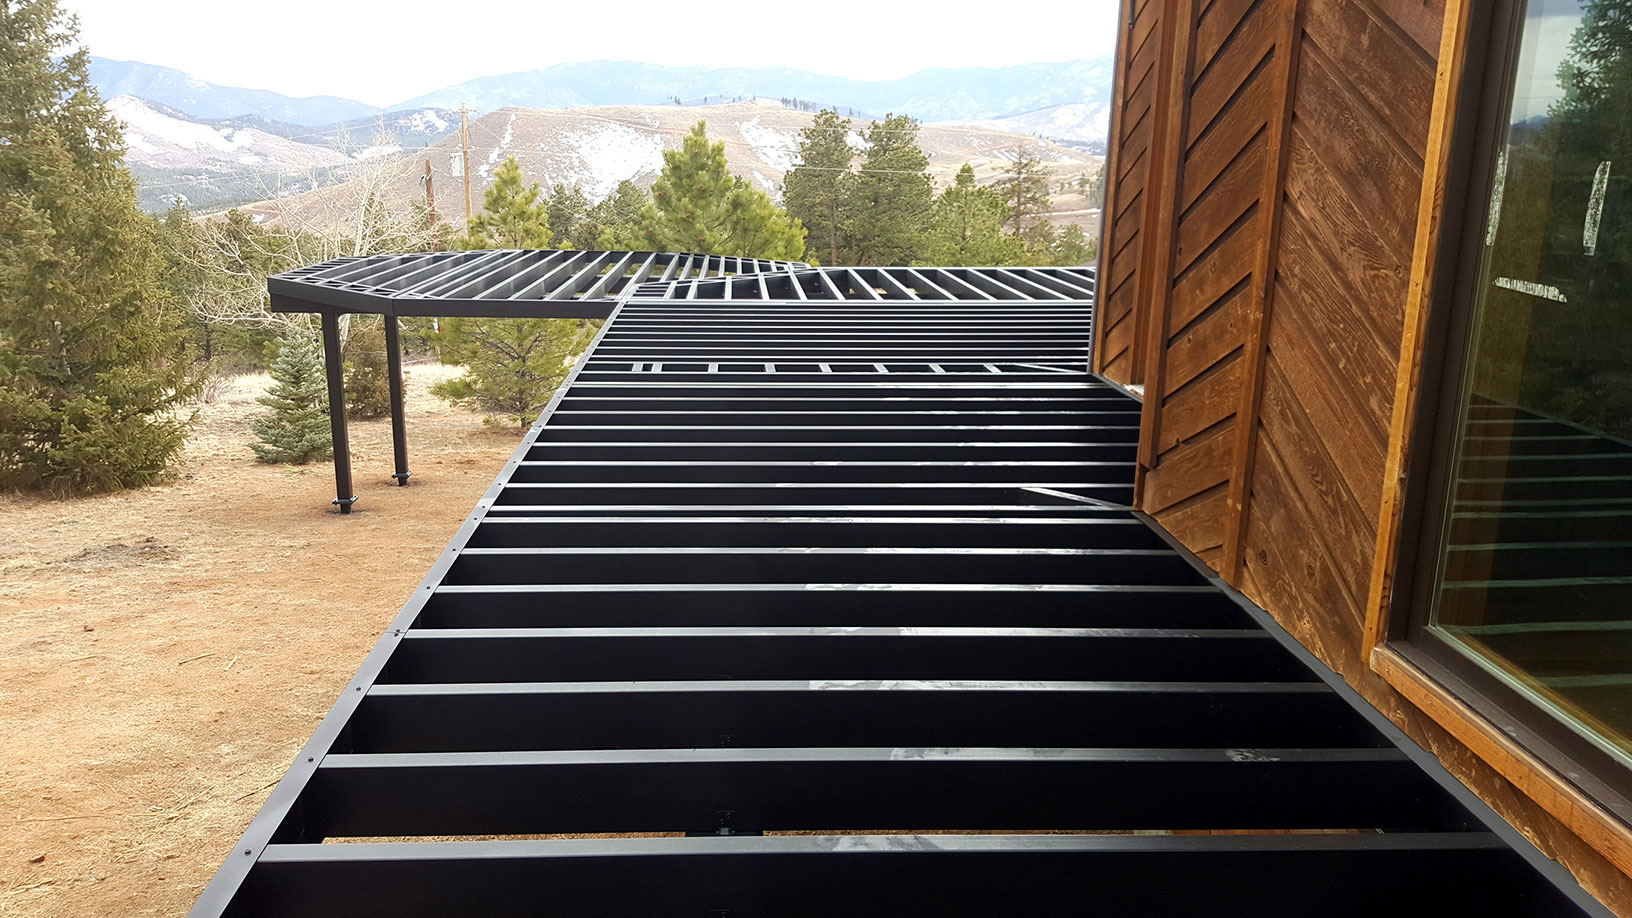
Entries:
{"x":409,"y":130}
{"x":213,"y":163}
{"x":595,"y":148}
{"x":1084,"y":122}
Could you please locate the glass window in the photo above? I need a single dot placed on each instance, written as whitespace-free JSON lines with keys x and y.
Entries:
{"x":1534,"y":580}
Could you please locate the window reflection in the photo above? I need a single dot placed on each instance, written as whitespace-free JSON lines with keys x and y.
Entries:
{"x":1536,"y":574}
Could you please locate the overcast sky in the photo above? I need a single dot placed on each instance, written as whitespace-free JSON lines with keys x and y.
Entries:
{"x":379,"y":53}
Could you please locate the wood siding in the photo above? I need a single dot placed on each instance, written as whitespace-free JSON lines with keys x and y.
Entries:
{"x":1271,"y":265}
{"x":1117,"y":335}
{"x":1212,"y":271}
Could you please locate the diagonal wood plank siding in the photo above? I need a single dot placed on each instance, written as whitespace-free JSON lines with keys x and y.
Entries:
{"x":1133,"y":119}
{"x":1268,"y":162}
{"x":1361,"y":101}
{"x":1213,"y":277}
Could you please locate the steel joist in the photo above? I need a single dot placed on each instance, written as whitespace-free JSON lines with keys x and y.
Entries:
{"x":790,"y":607}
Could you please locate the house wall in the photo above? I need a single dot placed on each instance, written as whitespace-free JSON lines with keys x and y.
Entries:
{"x":1273,"y":191}
{"x":1128,"y":164}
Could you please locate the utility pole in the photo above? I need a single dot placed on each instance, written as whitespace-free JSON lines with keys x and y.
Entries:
{"x":430,"y":204}
{"x":464,"y":143}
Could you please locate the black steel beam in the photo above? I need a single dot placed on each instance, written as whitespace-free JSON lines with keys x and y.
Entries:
{"x":1334,"y":876}
{"x":835,"y":653}
{"x":784,"y":604}
{"x":897,"y":789}
{"x":484,"y":716}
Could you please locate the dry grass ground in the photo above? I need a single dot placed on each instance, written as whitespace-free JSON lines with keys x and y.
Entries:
{"x":165,"y":652}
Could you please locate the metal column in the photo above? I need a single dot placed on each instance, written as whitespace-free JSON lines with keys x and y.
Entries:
{"x":399,"y":427}
{"x":332,"y":367}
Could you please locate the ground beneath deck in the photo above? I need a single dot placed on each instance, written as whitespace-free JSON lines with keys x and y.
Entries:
{"x":137,"y":630}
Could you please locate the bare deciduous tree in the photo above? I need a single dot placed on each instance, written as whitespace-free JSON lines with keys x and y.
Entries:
{"x":372,"y":212}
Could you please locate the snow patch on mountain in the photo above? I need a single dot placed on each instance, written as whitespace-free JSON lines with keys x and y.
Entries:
{"x":162,"y":139}
{"x":377,"y":151}
{"x":776,"y":148}
{"x":486,"y":169}
{"x":599,"y":156}
{"x":428,"y":121}
{"x":769,"y":186}
{"x":148,"y":130}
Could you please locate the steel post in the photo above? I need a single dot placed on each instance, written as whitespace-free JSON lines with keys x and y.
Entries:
{"x":399,"y":426}
{"x":344,"y":497}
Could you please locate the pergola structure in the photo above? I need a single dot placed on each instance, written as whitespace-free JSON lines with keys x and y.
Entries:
{"x":542,"y":283}
{"x":505,"y":283}
{"x":818,"y":592}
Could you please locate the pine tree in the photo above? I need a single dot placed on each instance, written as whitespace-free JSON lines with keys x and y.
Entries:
{"x":814,"y":191}
{"x":967,"y":227}
{"x":611,"y":224}
{"x":297,"y":429}
{"x":1040,"y":241}
{"x":512,"y":215}
{"x":1072,"y":247}
{"x":90,"y":368}
{"x":180,"y":243}
{"x":566,"y":206}
{"x":512,"y":366}
{"x":368,"y":382}
{"x":699,"y":206}
{"x":1024,"y":189}
{"x":889,"y":201}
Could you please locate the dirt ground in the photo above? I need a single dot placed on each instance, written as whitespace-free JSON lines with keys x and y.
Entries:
{"x":165,"y":652}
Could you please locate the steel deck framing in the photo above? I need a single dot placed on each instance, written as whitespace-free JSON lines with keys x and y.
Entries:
{"x":502,"y":282}
{"x":737,"y":634}
{"x":882,"y":284}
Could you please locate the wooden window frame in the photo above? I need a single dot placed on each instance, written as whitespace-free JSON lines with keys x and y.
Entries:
{"x":1572,"y":780}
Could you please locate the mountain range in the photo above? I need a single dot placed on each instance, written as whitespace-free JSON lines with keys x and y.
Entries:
{"x":941,"y":94}
{"x":186,"y":93}
{"x":589,"y":124}
{"x":213,"y":163}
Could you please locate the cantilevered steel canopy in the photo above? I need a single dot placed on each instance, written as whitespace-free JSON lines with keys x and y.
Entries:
{"x":503,"y":283}
{"x":523,"y":283}
{"x":804,"y":608}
